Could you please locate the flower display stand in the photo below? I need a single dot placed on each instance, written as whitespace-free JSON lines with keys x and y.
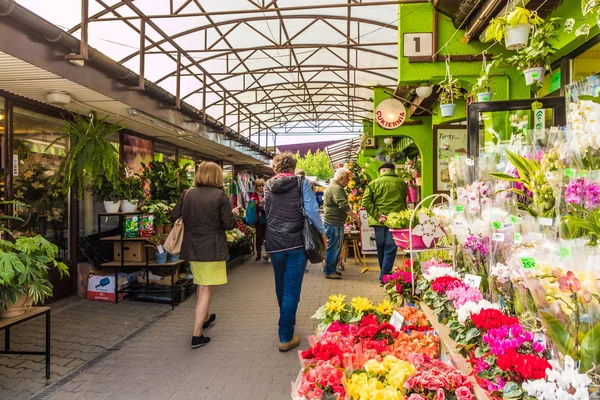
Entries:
{"x":449,"y":347}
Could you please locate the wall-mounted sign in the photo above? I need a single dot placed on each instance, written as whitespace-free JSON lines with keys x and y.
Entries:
{"x":390,"y":114}
{"x":448,"y":141}
{"x":418,"y":44}
{"x":370,"y":143}
{"x":540,"y":119}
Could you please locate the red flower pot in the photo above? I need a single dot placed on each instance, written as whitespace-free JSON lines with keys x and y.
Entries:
{"x":402,"y":239}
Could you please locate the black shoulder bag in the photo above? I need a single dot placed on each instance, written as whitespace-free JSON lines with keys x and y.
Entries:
{"x":314,"y":246}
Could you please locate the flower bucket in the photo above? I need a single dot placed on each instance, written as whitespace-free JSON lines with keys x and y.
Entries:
{"x":516,"y":37}
{"x":402,"y":239}
{"x":447,"y":110}
{"x":172,"y":258}
{"x":161,"y":258}
{"x":128,"y":206}
{"x":484,"y":96}
{"x":112,"y":206}
{"x":533,"y":75}
{"x":23,"y":304}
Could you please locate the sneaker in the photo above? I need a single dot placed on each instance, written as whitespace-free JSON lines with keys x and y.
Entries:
{"x":338,"y":273}
{"x":333,"y":276}
{"x":257,"y":258}
{"x":199,"y":341}
{"x":295,"y":342}
{"x":208,"y":323}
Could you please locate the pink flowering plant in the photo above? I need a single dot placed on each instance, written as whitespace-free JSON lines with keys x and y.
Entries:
{"x":583,"y":199}
{"x":321,"y":381}
{"x":399,"y":285}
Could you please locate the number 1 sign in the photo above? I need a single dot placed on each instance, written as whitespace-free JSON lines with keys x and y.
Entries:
{"x":418,"y":44}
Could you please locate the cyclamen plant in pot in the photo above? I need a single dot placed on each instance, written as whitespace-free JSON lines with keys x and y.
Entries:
{"x":534,"y":59}
{"x":133,"y":192}
{"x":514,"y":28}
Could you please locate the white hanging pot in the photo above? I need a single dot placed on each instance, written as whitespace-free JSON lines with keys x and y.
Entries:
{"x":516,"y":37}
{"x":532,"y":75}
{"x":388,"y":140}
{"x":484,"y":96}
{"x":424,"y":91}
{"x":447,"y":110}
{"x":129,"y":206}
{"x":112,"y":206}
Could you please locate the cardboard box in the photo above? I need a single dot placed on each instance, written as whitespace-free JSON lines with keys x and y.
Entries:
{"x":102,"y":287}
{"x":132,"y":251}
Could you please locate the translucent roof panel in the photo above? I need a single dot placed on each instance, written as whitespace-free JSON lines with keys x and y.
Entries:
{"x":265,"y":63}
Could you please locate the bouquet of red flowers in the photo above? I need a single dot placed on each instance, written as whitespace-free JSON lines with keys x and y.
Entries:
{"x":523,"y":367}
{"x":398,"y":286}
{"x":321,"y":381}
{"x":370,"y":328}
{"x":444,"y":283}
{"x":490,"y":318}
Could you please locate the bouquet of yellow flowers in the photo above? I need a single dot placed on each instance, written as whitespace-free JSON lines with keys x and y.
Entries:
{"x":380,"y":379}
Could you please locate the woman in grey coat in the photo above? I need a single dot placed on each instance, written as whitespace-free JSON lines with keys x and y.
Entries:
{"x":207,"y":214}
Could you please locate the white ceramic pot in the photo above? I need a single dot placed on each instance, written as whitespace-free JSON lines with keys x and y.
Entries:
{"x":112,"y":206}
{"x":447,"y":109}
{"x":128,"y":206}
{"x":516,"y":37}
{"x":424,"y":91}
{"x":388,"y":140}
{"x":484,"y":96}
{"x":533,"y":75}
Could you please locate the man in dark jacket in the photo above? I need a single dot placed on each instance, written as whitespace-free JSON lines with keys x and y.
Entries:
{"x":284,"y":194}
{"x":384,"y":195}
{"x":336,"y":210}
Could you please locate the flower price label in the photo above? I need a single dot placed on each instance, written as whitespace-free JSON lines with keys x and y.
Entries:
{"x":473,"y":280}
{"x":514,"y":219}
{"x":546,"y":221}
{"x":569,"y":172}
{"x":541,"y":338}
{"x":458,"y":224}
{"x":549,"y":176}
{"x":498,"y":237}
{"x":564,"y":252}
{"x":160,"y":249}
{"x":528,"y":262}
{"x":496,"y":225}
{"x":460,"y":209}
{"x":518,"y":239}
{"x":397,"y":320}
{"x":508,"y":225}
{"x":470,"y":162}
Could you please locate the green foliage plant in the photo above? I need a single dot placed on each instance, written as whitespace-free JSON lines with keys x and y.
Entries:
{"x":519,"y":15}
{"x":167,"y":180}
{"x":315,"y":164}
{"x":484,"y":82}
{"x":91,"y":158}
{"x":401,"y":219}
{"x":110,"y":191}
{"x":134,"y":188}
{"x":449,"y":90}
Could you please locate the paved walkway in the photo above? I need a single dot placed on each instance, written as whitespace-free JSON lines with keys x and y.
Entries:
{"x":241,"y":362}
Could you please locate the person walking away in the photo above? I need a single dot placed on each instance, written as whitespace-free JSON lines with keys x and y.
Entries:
{"x":285,"y":242}
{"x":301,"y":172}
{"x":207,"y":214}
{"x":384,"y":195}
{"x":336,"y":211}
{"x":261,"y":225}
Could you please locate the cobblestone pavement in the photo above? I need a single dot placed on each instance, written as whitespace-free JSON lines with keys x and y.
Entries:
{"x":242,"y":360}
{"x":81,"y":330}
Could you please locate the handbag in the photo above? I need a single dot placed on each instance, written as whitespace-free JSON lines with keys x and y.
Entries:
{"x":251,"y":213}
{"x":174,"y":241}
{"x":314,"y":245}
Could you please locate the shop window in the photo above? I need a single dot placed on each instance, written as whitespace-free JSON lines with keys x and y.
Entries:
{"x":552,"y":82}
{"x":228,"y":178}
{"x":36,"y":158}
{"x":187,"y":159}
{"x":587,"y":64}
{"x":164,"y":152}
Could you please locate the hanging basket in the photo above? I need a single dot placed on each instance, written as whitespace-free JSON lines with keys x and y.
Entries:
{"x":533,"y":75}
{"x":484,"y":97}
{"x":447,"y":110}
{"x":516,"y":37}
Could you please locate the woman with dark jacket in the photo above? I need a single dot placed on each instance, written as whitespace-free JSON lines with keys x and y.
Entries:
{"x":207,"y":214}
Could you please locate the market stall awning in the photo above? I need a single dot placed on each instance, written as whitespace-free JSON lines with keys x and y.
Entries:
{"x":252,"y":65}
{"x":343,"y":152}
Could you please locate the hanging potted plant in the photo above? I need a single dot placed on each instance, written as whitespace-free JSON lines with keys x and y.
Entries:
{"x":449,"y":92}
{"x":482,"y":89}
{"x":514,"y":28}
{"x":91,"y":158}
{"x":387,"y":153}
{"x":133,"y":191}
{"x":110,"y":193}
{"x":534,"y":59}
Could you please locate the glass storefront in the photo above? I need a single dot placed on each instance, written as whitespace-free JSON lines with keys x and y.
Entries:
{"x":164,"y":152}
{"x":586,"y":64}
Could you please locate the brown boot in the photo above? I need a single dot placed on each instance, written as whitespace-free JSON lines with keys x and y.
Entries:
{"x":295,"y":342}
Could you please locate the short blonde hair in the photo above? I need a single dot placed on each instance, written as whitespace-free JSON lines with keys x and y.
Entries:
{"x":209,"y":174}
{"x":284,"y":162}
{"x":259,"y":182}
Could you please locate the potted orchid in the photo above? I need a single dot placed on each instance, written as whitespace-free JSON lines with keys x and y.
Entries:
{"x":514,"y":28}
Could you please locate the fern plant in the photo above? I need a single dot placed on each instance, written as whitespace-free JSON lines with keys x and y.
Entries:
{"x":91,"y":158}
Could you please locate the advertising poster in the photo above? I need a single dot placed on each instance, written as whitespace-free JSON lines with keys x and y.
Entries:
{"x":447,"y":142}
{"x":136,"y":151}
{"x":367,"y":234}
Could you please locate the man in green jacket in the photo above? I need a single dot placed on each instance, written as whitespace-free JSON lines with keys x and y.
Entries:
{"x":384,"y":195}
{"x":335,"y":211}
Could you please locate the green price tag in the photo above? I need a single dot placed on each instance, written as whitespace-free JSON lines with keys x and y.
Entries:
{"x":528,"y":262}
{"x":518,"y":238}
{"x":460,"y":208}
{"x":581,"y":174}
{"x":564,"y":252}
{"x":514,"y":219}
{"x":569,"y":172}
{"x":496,"y":225}
{"x":456,"y":155}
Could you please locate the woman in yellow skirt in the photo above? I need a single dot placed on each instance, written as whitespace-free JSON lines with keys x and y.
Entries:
{"x":207,"y":214}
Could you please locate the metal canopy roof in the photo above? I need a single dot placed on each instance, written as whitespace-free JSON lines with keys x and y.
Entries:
{"x":253,"y":64}
{"x":343,"y":152}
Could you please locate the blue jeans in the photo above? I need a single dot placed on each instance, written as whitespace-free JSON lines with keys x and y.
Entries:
{"x":386,"y":250}
{"x":289,"y":268}
{"x":335,"y":242}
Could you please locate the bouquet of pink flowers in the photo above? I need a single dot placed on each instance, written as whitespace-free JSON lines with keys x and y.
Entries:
{"x":438,"y":379}
{"x":320,"y":381}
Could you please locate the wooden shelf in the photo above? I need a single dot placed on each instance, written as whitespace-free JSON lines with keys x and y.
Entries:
{"x":117,"y":238}
{"x":151,"y":263}
{"x":450,"y":345}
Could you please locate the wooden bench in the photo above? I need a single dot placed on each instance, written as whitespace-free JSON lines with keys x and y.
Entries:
{"x":33,"y":312}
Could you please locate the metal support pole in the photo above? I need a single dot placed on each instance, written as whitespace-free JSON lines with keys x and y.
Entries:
{"x":83,"y":43}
